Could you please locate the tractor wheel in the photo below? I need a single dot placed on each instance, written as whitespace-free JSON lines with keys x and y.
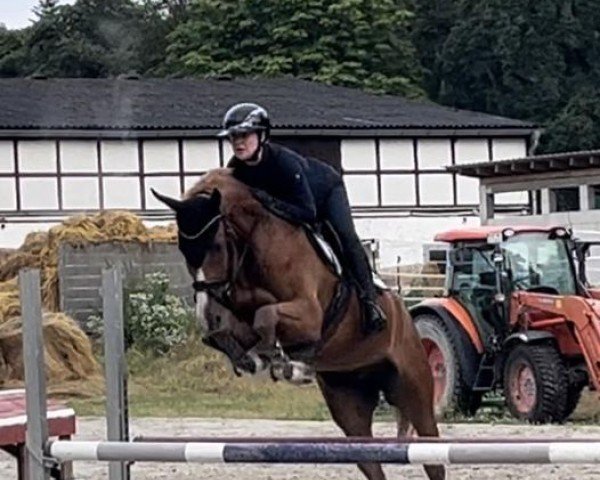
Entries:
{"x":573,"y":396}
{"x":536,"y":384}
{"x":453,"y":360}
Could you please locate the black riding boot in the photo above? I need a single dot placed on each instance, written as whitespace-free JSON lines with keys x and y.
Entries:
{"x":374,"y":320}
{"x":338,"y":214}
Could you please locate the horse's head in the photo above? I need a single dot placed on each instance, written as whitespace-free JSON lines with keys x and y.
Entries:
{"x":197,"y":224}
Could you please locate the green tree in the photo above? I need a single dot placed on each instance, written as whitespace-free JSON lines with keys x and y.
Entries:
{"x":525,"y":59}
{"x":504,"y":56}
{"x":91,"y":38}
{"x":577,"y":125}
{"x":433,"y":21}
{"x":357,"y":43}
{"x":12,"y":52}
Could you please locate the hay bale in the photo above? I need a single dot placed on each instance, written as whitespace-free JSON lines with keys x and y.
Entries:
{"x":5,"y":253}
{"x":70,"y":364}
{"x":9,"y":300}
{"x":16,"y":261}
{"x":68,"y":351}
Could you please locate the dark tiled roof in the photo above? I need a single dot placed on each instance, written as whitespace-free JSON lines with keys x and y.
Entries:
{"x":199,"y":104}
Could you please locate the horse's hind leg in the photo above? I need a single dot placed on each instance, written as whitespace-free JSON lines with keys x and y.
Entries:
{"x":416,"y":407}
{"x":352,"y":406}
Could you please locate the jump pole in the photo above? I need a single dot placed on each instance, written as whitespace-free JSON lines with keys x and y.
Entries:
{"x":361,"y":440}
{"x":329,"y":453}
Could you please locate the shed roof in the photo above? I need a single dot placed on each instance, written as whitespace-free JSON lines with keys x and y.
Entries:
{"x":534,"y":164}
{"x":157,"y":104}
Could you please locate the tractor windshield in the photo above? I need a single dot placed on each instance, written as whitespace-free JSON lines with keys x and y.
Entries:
{"x":534,"y":260}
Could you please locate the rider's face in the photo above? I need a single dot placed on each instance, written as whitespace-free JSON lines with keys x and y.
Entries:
{"x":244,"y":145}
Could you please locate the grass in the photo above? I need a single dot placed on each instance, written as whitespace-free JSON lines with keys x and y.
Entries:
{"x":195,"y":381}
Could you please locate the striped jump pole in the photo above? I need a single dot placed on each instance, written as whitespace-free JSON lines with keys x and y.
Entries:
{"x":503,"y":440}
{"x":301,"y":453}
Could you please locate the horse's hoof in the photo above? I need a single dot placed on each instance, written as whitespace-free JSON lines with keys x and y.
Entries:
{"x":250,"y":363}
{"x":277,"y":372}
{"x":298,"y":373}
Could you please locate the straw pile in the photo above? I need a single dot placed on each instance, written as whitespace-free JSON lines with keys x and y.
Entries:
{"x":69,"y":357}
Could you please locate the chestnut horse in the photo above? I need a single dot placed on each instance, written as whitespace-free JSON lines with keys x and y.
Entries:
{"x":263,"y":272}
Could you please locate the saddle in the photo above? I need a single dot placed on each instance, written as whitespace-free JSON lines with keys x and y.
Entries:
{"x":323,"y":238}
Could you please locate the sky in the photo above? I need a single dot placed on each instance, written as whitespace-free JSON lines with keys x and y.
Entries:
{"x":18,"y":13}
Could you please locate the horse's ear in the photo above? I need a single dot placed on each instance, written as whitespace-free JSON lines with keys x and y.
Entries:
{"x":172,"y":203}
{"x":215,"y":198}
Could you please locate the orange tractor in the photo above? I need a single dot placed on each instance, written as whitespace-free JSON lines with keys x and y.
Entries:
{"x":518,"y":315}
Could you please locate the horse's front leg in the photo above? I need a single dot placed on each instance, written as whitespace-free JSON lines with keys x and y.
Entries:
{"x":291,"y":325}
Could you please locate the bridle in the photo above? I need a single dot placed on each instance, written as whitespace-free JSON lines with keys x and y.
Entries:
{"x":195,"y":236}
{"x":220,"y":290}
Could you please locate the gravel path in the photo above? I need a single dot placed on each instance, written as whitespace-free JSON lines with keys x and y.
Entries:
{"x":94,"y":429}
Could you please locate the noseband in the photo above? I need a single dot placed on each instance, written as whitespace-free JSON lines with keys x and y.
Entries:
{"x":220,"y":290}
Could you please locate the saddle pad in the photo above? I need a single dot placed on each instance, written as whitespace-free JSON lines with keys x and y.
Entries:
{"x":326,"y":252}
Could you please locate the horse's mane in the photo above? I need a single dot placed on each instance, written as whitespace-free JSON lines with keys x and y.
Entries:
{"x":223,"y":180}
{"x":235,"y":195}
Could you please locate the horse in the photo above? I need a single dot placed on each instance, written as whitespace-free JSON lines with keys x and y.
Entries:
{"x":278,"y":300}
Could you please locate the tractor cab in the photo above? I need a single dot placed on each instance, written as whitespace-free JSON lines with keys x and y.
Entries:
{"x":486,"y":265}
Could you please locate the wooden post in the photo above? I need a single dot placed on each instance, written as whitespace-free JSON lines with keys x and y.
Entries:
{"x":35,"y":373}
{"x":117,"y":421}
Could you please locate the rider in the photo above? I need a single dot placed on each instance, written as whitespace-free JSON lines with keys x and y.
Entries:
{"x":306,"y":189}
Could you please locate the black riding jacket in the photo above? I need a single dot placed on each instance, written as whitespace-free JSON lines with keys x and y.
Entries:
{"x":299,"y":185}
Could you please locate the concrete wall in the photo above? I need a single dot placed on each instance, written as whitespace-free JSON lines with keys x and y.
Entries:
{"x":80,"y":272}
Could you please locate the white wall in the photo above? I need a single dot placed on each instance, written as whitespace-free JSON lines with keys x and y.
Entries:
{"x":400,"y":159}
{"x":406,"y":236}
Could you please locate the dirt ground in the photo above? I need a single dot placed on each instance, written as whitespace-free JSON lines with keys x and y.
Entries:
{"x":94,"y":429}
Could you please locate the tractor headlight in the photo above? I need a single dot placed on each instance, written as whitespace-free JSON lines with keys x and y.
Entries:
{"x":560,"y":232}
{"x":509,"y":232}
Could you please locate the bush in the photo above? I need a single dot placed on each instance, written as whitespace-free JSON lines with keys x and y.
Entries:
{"x":155,"y":320}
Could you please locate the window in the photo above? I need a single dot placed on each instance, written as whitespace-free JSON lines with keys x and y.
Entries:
{"x":533,"y":260}
{"x":8,"y":199}
{"x":39,"y":193}
{"x":119,"y":156}
{"x":436,"y":189}
{"x":434,"y":154}
{"x":161,"y":156}
{"x":166,"y":185}
{"x":362,"y":190}
{"x":202,"y":155}
{"x":508,"y":148}
{"x":78,"y":156}
{"x":358,"y":155}
{"x":80,"y":193}
{"x":564,"y":199}
{"x":397,"y":154}
{"x":594,"y":196}
{"x":122,"y":192}
{"x":7,"y":157}
{"x":37,"y":156}
{"x":398,"y":190}
{"x":467,"y":190}
{"x":470,"y":150}
{"x":512,"y":198}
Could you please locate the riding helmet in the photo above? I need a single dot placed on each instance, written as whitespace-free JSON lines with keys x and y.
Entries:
{"x":244,"y":118}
